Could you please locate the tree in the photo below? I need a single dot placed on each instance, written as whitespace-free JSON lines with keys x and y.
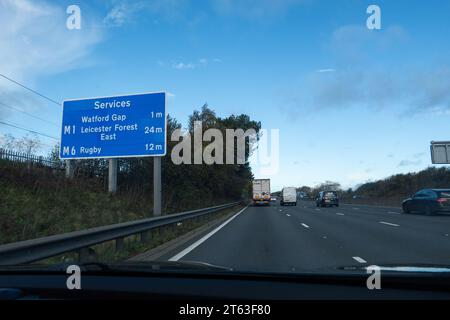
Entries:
{"x":329,"y":186}
{"x":8,"y":141}
{"x":185,"y":186}
{"x":29,"y":143}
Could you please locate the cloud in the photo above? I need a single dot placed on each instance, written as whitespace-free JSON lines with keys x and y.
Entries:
{"x":355,"y":43}
{"x":410,"y":90}
{"x":362,"y":78}
{"x":119,"y":14}
{"x":325,"y":70}
{"x":34,"y":41}
{"x":183,"y":66}
{"x":415,"y":160}
{"x":203,"y":62}
{"x":122,"y":12}
{"x":408,"y":163}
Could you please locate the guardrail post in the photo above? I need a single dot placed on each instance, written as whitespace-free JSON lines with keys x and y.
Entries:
{"x":83,"y":255}
{"x":119,"y":244}
{"x":145,"y":237}
{"x":157,"y":233}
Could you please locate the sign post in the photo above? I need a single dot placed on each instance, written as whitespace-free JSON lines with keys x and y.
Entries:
{"x":70,"y":169}
{"x":126,"y":126}
{"x":112,"y":176}
{"x":157,"y":190}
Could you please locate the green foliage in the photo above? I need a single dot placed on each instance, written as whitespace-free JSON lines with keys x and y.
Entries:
{"x":186,"y":185}
{"x":406,"y":184}
{"x":389,"y":191}
{"x":39,"y":202}
{"x":326,"y":186}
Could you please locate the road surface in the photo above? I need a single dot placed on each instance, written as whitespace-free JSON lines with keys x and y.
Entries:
{"x":306,"y":238}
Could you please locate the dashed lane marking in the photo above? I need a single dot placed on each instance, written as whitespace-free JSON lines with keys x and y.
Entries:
{"x":359,"y":259}
{"x":389,"y":224}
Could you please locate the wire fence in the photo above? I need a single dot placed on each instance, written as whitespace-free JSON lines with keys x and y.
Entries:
{"x":30,"y":159}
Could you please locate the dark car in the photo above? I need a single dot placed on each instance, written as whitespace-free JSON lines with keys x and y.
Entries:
{"x":428,"y":201}
{"x":327,"y":199}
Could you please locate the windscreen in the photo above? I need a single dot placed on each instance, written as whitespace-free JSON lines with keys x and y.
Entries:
{"x":131,"y":129}
{"x":330,"y":195}
{"x":444,"y":194}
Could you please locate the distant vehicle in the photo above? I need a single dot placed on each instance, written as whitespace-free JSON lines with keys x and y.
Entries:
{"x":261,"y":192}
{"x":302,"y":195}
{"x":327,"y":199}
{"x":273,"y":199}
{"x":288,"y":196}
{"x":428,"y":201}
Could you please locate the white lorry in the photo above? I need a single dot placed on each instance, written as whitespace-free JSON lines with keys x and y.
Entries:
{"x":288,"y":196}
{"x":261,"y":192}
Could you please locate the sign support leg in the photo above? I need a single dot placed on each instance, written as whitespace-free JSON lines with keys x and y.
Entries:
{"x":112,"y":176}
{"x":70,"y":169}
{"x":157,"y":190}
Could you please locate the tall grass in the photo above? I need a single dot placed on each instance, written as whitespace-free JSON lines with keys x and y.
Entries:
{"x":38,"y":201}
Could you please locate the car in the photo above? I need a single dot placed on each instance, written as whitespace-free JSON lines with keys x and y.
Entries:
{"x":428,"y":201}
{"x":273,"y":199}
{"x":327,"y":199}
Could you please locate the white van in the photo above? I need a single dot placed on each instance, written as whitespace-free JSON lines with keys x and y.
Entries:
{"x":288,"y":196}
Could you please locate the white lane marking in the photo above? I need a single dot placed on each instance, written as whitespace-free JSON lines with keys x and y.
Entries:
{"x":203,"y":239}
{"x":305,"y":225}
{"x":360,"y":260}
{"x":355,"y":208}
{"x":317,"y":209}
{"x":367,"y":205}
{"x":288,"y":214}
{"x":340,"y":214}
{"x":389,"y":224}
{"x":393,"y":212}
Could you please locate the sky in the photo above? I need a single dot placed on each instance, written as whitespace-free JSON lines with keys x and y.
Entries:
{"x":351,"y":104}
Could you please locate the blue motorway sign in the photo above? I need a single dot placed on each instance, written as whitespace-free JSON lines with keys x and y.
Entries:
{"x":114,"y":127}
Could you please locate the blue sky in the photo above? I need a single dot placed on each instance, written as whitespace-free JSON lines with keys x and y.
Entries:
{"x":351,"y":104}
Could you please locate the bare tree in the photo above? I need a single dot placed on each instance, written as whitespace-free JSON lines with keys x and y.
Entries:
{"x":27,"y":144}
{"x":8,"y":141}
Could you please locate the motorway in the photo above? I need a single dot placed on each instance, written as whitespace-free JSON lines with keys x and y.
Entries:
{"x":305,"y":238}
